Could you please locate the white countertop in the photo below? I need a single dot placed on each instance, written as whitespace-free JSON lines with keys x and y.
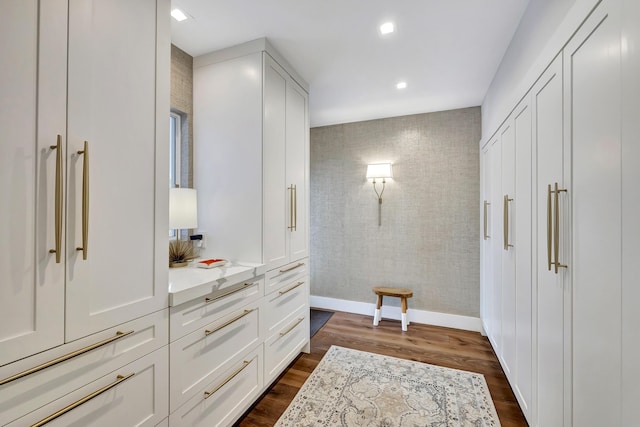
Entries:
{"x":190,"y":282}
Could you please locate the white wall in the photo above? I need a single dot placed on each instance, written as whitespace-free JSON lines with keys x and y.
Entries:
{"x":545,"y":27}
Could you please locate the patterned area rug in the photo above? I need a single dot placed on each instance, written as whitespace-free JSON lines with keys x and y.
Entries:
{"x":355,"y":388}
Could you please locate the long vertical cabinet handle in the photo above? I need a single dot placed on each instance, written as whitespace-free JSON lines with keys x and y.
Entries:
{"x":85,"y":201}
{"x":549,"y":227}
{"x":295,"y":207}
{"x":556,"y":242}
{"x":505,"y":222}
{"x":59,"y":200}
{"x":291,"y":203}
{"x":486,"y":204}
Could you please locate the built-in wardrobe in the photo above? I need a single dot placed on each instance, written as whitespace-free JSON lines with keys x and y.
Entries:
{"x":560,"y":240}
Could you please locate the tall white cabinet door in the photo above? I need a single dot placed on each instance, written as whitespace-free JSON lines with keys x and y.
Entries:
{"x":297,"y":160}
{"x":496,"y":244}
{"x":276,"y":194}
{"x":593,"y":95}
{"x":630,"y":211}
{"x":553,"y":294}
{"x":486,"y":267}
{"x":112,"y":178}
{"x":32,"y":116}
{"x":522,"y":224}
{"x":508,"y":250}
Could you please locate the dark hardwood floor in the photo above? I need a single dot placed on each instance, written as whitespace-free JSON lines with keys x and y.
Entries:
{"x":452,"y":348}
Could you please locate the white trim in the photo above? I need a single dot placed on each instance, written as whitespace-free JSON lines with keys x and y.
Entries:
{"x":418,"y":316}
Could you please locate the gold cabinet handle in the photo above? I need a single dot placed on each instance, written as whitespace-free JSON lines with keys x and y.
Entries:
{"x":291,"y":288}
{"x":119,"y":379}
{"x":85,"y":201}
{"x":59,"y":200}
{"x":293,"y":267}
{"x":228,"y":322}
{"x":235,"y":373}
{"x":65,"y":357}
{"x":556,"y":242}
{"x":291,"y":203}
{"x":292,"y":327}
{"x":549,"y":227}
{"x":486,"y":204}
{"x":505,"y":222}
{"x":295,"y":208}
{"x":227,"y":293}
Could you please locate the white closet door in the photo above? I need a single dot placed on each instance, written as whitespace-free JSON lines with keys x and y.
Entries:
{"x":593,"y":95}
{"x":553,"y":293}
{"x":32,"y":115}
{"x":486,"y":267}
{"x":496,"y":245}
{"x":112,"y":106}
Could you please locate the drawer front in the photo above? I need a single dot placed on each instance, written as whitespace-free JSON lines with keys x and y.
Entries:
{"x":133,"y":395}
{"x":203,"y":354}
{"x":281,"y":304}
{"x":97,"y":355}
{"x":276,"y":279}
{"x":192,"y":315}
{"x":225,"y":398}
{"x":285,"y":345}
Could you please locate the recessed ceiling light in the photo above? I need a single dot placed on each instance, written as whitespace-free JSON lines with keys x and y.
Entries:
{"x":401,"y":85}
{"x":387,"y":28}
{"x":178,"y":15}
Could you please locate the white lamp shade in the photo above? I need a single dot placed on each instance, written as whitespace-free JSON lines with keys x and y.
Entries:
{"x":183,"y":208}
{"x":379,"y":170}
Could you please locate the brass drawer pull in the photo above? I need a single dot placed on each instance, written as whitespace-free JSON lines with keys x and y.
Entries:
{"x":292,"y":327}
{"x":293,"y":267}
{"x":245,"y":363}
{"x":291,"y":288}
{"x":232,"y":291}
{"x":549,"y":227}
{"x":505,"y":222}
{"x":65,"y":357}
{"x":85,"y":201}
{"x":556,"y":243}
{"x":228,"y":322}
{"x":120,"y":378}
{"x":59,"y":200}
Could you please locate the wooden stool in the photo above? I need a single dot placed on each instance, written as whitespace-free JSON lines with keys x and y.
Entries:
{"x":401,"y":293}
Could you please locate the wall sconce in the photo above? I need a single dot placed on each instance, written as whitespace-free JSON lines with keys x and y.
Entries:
{"x":183,"y":213}
{"x":379,"y":171}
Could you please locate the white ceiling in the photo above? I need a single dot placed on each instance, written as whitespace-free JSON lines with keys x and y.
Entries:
{"x":446,"y":50}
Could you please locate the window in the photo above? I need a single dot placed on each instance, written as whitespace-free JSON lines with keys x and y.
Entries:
{"x":175,"y":139}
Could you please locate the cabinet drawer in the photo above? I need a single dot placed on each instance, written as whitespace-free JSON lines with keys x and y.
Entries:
{"x":203,"y":354}
{"x":188,"y":317}
{"x":133,"y":395}
{"x":79,"y":363}
{"x":275,"y":279}
{"x":285,"y":344}
{"x":225,"y":398}
{"x":281,"y":304}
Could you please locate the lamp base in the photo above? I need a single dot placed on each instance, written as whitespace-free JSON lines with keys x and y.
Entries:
{"x":178,"y":264}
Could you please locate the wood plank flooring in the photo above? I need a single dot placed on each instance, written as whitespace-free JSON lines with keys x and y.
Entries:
{"x":451,"y":348}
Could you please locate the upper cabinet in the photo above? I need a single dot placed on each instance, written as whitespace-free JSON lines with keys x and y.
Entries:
{"x":251,"y":124}
{"x":84,"y":105}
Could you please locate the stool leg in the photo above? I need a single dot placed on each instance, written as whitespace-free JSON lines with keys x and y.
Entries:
{"x":404,"y":314}
{"x":376,"y":316}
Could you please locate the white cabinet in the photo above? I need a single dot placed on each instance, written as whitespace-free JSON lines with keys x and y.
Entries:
{"x":553,"y":292}
{"x":593,"y":130}
{"x":116,"y":186}
{"x":32,"y":117}
{"x":251,"y":122}
{"x":103,"y":199}
{"x":286,"y":180}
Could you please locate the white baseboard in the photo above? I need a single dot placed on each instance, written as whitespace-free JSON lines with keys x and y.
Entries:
{"x":418,"y":316}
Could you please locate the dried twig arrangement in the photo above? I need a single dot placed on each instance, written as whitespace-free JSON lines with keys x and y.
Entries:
{"x":181,"y":251}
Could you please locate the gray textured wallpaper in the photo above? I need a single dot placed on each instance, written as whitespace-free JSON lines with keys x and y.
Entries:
{"x":428,"y":240}
{"x":182,"y":102}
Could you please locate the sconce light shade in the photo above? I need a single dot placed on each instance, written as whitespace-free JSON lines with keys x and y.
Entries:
{"x":379,"y":170}
{"x":183,"y":208}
